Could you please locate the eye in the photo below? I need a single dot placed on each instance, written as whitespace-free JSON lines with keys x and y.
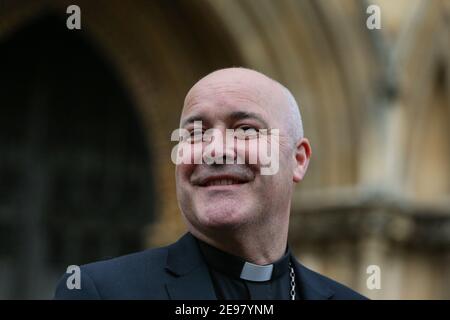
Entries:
{"x":246,"y":132}
{"x":195,"y":135}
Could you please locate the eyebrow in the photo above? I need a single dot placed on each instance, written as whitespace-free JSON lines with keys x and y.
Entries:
{"x":191,"y":119}
{"x":237,"y":115}
{"x":240,"y":115}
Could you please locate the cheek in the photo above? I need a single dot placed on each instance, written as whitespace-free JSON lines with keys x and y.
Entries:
{"x":183,"y":172}
{"x":261,"y":152}
{"x":248,"y":150}
{"x":189,"y":153}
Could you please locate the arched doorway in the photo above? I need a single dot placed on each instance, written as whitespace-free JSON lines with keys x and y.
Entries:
{"x":75,"y":184}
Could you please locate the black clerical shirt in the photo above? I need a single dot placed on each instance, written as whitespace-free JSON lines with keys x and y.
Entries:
{"x":225,"y":270}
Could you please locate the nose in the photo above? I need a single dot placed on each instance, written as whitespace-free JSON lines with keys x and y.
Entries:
{"x":220,"y":148}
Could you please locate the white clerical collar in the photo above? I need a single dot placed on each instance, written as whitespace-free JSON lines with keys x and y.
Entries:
{"x":255,"y":272}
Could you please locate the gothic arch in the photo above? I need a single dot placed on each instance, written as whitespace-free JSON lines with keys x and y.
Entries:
{"x":74,"y":160}
{"x":423,"y":64}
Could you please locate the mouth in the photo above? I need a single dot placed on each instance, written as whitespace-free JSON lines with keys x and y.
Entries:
{"x":222,"y":182}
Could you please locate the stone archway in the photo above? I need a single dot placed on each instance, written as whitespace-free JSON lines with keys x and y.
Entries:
{"x":74,"y":159}
{"x":423,"y":67}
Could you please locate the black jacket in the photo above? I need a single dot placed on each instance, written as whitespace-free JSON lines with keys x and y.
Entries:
{"x":177,"y":272}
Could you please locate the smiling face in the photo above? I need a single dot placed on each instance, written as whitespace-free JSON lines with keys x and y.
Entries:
{"x":216,"y":196}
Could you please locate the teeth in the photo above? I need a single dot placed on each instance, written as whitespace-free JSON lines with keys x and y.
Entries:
{"x":221,"y":182}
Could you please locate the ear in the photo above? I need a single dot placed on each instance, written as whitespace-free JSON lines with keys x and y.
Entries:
{"x":302,"y":154}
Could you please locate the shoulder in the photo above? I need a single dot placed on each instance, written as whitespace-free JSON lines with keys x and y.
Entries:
{"x":149,"y":260}
{"x":318,"y":286}
{"x":127,"y":276}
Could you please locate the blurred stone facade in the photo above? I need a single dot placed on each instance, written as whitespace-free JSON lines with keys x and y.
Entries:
{"x":375,"y":105}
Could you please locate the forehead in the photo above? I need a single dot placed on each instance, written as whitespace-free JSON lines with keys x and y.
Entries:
{"x":219,"y":99}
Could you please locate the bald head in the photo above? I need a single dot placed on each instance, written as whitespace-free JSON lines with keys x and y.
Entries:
{"x":246,"y":84}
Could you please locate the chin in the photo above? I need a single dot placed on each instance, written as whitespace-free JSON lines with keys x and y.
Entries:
{"x":223,"y":216}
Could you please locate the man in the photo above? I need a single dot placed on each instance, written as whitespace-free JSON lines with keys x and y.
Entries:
{"x":237,"y":218}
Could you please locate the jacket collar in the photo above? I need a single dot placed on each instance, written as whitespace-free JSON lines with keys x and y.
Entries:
{"x":312,"y":285}
{"x":192,"y":280}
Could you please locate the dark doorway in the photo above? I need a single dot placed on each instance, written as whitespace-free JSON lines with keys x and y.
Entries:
{"x":75,"y":184}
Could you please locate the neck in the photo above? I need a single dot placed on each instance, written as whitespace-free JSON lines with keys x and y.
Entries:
{"x":264,"y":247}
